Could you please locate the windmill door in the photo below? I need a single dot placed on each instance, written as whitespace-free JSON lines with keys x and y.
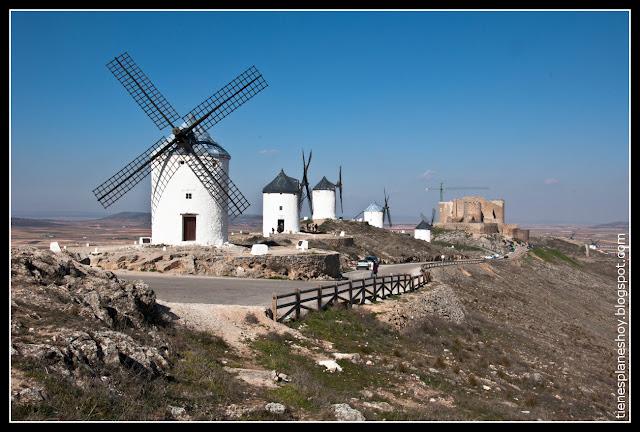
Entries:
{"x":280,"y":225}
{"x":188,"y":228}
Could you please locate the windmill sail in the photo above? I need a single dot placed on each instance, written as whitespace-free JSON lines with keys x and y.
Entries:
{"x":124,"y":180}
{"x":228,"y":98}
{"x":140,"y":87}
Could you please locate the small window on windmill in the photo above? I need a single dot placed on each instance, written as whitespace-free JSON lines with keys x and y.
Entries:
{"x":188,"y":195}
{"x":181,"y":162}
{"x":280,"y":207}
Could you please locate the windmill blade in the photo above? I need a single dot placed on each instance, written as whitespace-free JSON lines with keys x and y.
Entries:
{"x":309,"y":198}
{"x":465,"y":187}
{"x":228,"y":98}
{"x":386,"y":208}
{"x":140,"y":87}
{"x":124,"y":180}
{"x":306,"y":179}
{"x":433,"y":215}
{"x":304,"y":182}
{"x":340,"y":188}
{"x":423,"y":217}
{"x":217,"y":182}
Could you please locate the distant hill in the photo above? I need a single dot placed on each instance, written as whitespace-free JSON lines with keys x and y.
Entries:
{"x":127,"y":218}
{"x":34,"y":223}
{"x":619,"y":224}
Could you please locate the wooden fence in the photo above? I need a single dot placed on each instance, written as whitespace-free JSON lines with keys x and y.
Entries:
{"x":351,"y":292}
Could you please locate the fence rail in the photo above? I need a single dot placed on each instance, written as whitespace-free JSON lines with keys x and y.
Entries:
{"x":353,"y":291}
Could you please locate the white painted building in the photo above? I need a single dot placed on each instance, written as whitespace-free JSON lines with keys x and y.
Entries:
{"x":373,"y":215}
{"x":280,"y":206}
{"x":324,"y":200}
{"x":423,"y":231}
{"x":183,"y":212}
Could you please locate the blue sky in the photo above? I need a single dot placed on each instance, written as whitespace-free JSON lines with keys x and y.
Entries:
{"x":533,"y":105}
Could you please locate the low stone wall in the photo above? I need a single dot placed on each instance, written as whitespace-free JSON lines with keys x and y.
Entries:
{"x":304,"y":266}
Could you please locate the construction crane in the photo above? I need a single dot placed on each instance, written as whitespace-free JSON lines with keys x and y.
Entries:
{"x":442,"y":189}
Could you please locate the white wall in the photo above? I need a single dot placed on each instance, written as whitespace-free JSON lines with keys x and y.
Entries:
{"x":423,"y":234}
{"x":212,"y":218}
{"x":374,"y":219}
{"x":324,"y":204}
{"x":271,"y":212}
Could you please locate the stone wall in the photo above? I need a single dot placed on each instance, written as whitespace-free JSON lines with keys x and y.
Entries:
{"x":472,"y":209}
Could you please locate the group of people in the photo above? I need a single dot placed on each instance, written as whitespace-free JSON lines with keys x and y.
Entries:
{"x":312,"y":227}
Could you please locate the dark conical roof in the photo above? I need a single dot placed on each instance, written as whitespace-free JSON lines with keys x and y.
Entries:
{"x":424,"y":225}
{"x":282,"y":184}
{"x":325,"y":184}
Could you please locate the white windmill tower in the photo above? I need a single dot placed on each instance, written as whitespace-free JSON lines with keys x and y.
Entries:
{"x":192,"y":194}
{"x":281,"y":205}
{"x":324,"y":198}
{"x":374,"y":214}
{"x":179,"y":200}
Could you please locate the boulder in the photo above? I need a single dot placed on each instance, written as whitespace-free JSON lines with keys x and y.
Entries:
{"x":275,"y":408}
{"x":330,"y":365}
{"x":344,"y":412}
{"x":177,"y":413}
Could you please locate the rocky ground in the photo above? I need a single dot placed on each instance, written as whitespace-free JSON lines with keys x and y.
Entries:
{"x":520,"y":339}
{"x":312,"y":264}
{"x":473,"y":245}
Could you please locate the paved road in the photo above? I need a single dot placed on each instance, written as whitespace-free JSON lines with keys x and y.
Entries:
{"x":237,"y":291}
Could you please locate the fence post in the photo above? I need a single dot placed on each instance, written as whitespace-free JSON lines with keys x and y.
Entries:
{"x":274,"y":307}
{"x":297,"y":303}
{"x":364,"y":292}
{"x":350,"y":293}
{"x":375,"y":289}
{"x":335,"y":293}
{"x":319,"y":298}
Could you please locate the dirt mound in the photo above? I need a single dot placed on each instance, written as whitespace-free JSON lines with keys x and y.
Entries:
{"x":437,"y":301}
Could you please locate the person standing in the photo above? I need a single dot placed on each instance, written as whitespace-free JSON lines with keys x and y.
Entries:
{"x":374,"y":269}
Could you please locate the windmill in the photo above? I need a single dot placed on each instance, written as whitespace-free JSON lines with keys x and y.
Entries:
{"x":442,"y":189}
{"x":573,"y":234}
{"x":304,"y":184}
{"x":385,"y":209}
{"x":423,"y":230}
{"x":185,"y":139}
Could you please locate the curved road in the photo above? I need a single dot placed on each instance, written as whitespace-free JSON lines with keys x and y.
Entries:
{"x":237,"y":291}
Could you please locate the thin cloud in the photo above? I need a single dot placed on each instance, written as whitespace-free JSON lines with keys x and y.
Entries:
{"x":268,"y":152}
{"x":551,"y":181}
{"x":427,"y":175}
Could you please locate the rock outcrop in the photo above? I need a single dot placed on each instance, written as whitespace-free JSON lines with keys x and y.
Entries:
{"x":205,"y":262}
{"x":76,"y":321}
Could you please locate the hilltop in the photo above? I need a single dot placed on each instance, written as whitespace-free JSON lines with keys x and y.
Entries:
{"x":391,"y":247}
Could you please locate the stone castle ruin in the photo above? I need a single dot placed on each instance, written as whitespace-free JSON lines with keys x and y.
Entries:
{"x":477,"y":215}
